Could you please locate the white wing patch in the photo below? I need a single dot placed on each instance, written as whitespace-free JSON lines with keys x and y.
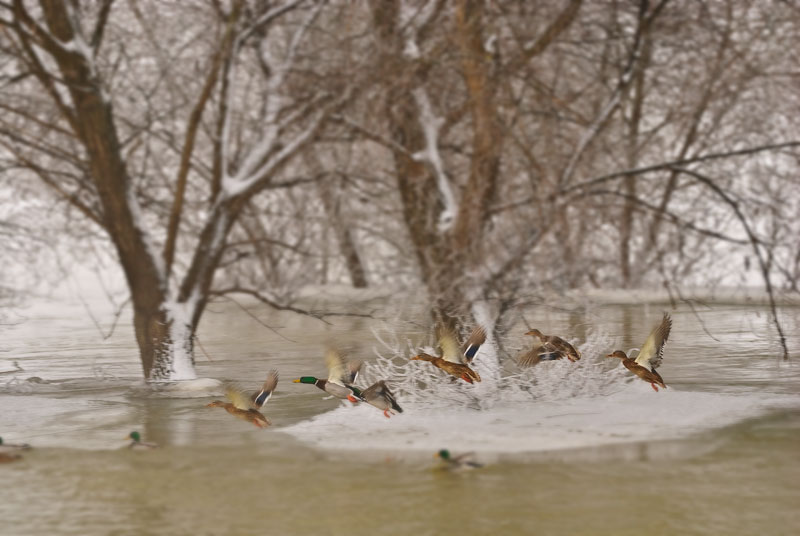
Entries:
{"x":652,"y":350}
{"x":336,"y":366}
{"x":450,"y":349}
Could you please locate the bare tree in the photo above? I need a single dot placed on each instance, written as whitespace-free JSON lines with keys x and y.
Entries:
{"x":103,"y":140}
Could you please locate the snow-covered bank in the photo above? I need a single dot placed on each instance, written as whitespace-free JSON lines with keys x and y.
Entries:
{"x":655,"y":295}
{"x":702,"y":295}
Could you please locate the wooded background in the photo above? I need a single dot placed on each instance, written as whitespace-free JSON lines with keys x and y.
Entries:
{"x":476,"y":149}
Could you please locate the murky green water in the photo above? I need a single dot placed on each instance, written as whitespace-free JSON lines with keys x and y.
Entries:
{"x":218,"y":475}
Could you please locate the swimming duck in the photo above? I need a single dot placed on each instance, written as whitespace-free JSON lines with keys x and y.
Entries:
{"x":379,"y":395}
{"x":556,"y":345}
{"x":538,"y":354}
{"x":650,"y":355}
{"x":462,"y":462}
{"x":341,"y":376}
{"x":455,"y":360}
{"x":137,"y":443}
{"x":244,"y":406}
{"x":7,"y":448}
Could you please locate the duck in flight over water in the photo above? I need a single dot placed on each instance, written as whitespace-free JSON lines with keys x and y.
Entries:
{"x":650,"y":355}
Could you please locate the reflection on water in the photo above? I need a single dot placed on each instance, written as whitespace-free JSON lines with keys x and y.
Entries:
{"x":218,"y":475}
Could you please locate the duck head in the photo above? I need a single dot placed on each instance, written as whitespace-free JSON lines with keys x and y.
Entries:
{"x":305,"y":379}
{"x":535,"y":333}
{"x":423,"y":357}
{"x":619,"y":354}
{"x":134,"y":436}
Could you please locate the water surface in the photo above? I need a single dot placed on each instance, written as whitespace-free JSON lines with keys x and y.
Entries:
{"x":581,"y":450}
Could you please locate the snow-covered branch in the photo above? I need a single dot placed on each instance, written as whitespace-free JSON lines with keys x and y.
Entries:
{"x":431,"y":124}
{"x":263,"y":159}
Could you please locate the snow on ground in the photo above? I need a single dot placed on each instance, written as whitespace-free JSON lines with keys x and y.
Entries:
{"x":635,"y":413}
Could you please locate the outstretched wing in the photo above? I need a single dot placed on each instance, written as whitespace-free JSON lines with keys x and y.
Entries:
{"x":260,"y":398}
{"x":651,"y":353}
{"x":449,"y":346}
{"x":337,"y":368}
{"x":239,"y":397}
{"x":473,"y":344}
{"x":537,"y":354}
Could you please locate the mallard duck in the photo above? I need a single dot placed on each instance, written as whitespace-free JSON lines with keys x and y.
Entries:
{"x":650,"y":355}
{"x":455,"y":360}
{"x":461,"y":462}
{"x":245,"y":406}
{"x":379,"y":395}
{"x":6,"y":448}
{"x":556,"y":345}
{"x":137,"y":443}
{"x":538,"y":354}
{"x":341,"y":376}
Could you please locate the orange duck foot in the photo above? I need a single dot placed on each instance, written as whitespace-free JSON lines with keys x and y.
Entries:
{"x":352,"y":399}
{"x":466,"y":378}
{"x":386,"y":413}
{"x":654,"y":387}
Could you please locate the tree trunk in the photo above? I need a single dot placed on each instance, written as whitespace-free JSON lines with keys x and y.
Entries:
{"x":165,"y":345}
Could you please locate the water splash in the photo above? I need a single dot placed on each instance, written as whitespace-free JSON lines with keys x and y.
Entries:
{"x":417,"y":383}
{"x":549,"y":407}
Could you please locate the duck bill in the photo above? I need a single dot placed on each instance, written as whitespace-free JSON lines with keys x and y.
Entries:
{"x":296,"y":381}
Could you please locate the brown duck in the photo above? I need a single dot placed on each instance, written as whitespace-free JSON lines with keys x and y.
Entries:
{"x":455,"y":360}
{"x":244,"y":406}
{"x":555,"y":347}
{"x":650,"y":355}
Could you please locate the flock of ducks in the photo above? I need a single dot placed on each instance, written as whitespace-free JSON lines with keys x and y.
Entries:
{"x":455,"y":359}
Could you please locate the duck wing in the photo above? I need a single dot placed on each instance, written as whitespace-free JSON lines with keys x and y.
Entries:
{"x":338,"y":371}
{"x":466,"y":460}
{"x":353,"y":368}
{"x":537,"y":354}
{"x":650,"y":355}
{"x":473,"y":344}
{"x":449,"y":346}
{"x":260,"y":398}
{"x":238,"y":397}
{"x":380,"y":392}
{"x":563,"y":346}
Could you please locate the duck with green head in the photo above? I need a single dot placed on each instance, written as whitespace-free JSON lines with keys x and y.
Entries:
{"x":6,"y":448}
{"x":341,"y":376}
{"x":461,"y":462}
{"x":137,"y":443}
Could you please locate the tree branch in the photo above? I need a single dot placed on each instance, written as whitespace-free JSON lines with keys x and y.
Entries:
{"x":753,"y":241}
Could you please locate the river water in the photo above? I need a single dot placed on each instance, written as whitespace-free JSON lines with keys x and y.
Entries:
{"x":569,"y":448}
